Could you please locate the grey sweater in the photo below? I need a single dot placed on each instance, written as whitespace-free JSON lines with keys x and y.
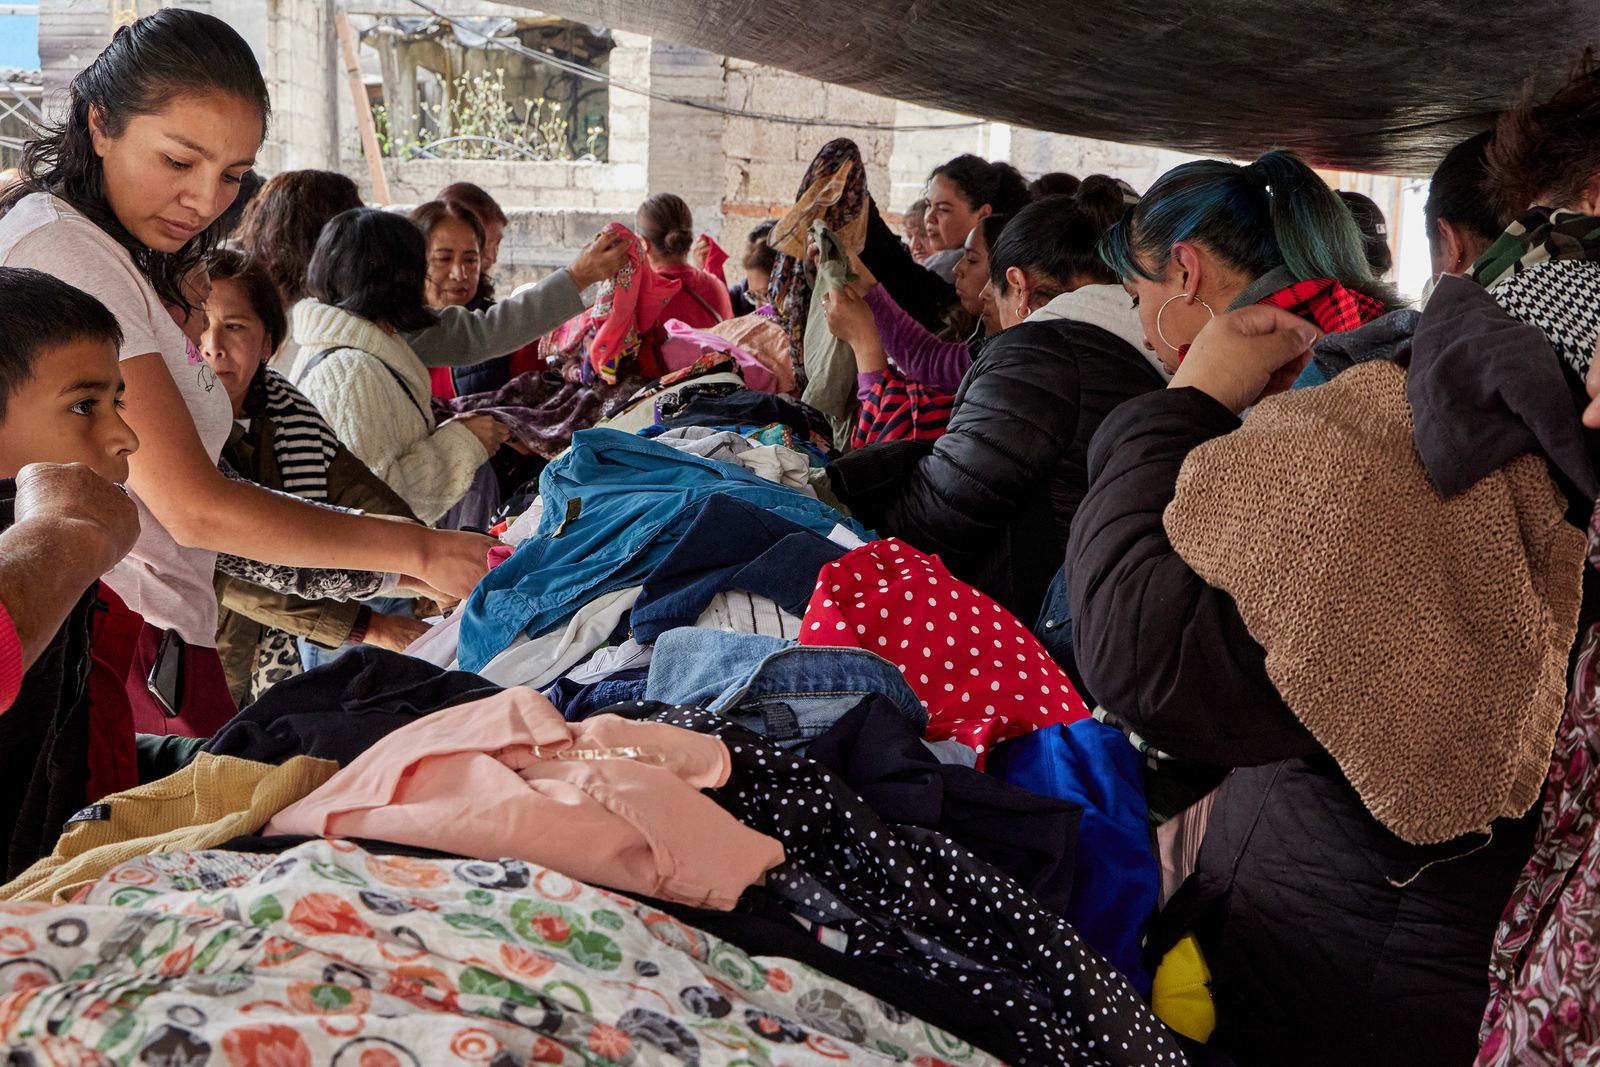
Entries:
{"x":461,"y":338}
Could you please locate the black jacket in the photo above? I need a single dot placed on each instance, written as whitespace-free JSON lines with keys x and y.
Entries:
{"x":1330,"y":940}
{"x":920,"y":292}
{"x":995,"y":496}
{"x":45,"y":735}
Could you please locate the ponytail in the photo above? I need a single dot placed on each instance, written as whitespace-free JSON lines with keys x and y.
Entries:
{"x":1315,"y":232}
{"x":1275,"y":212}
{"x":1053,"y":241}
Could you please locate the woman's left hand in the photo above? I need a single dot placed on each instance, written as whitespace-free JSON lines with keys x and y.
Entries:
{"x":1245,"y":356}
{"x":700,"y":252}
{"x":849,"y":317}
{"x":600,"y":259}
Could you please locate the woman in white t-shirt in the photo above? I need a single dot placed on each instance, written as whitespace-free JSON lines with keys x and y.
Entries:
{"x":120,"y":201}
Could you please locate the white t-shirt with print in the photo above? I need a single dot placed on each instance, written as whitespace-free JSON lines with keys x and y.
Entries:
{"x":168,"y":584}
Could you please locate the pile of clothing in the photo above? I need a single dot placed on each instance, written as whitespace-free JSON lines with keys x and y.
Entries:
{"x":702,"y":773}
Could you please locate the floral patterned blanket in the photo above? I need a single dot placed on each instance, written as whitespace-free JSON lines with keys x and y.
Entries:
{"x":328,"y":954}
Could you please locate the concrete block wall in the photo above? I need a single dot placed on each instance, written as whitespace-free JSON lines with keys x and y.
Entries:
{"x":606,"y":187}
{"x":71,"y":33}
{"x":764,"y":162}
{"x":685,"y":143}
{"x":538,"y":242}
{"x":916,"y":152}
{"x":305,"y":74}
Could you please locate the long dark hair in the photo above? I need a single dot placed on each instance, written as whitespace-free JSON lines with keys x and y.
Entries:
{"x":373,"y":264}
{"x":283,"y":222}
{"x":172,"y":53}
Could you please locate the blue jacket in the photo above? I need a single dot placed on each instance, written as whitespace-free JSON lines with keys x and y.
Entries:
{"x":614,"y":505}
{"x":1116,"y":882}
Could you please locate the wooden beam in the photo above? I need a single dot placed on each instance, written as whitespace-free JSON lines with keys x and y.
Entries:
{"x":358,"y":90}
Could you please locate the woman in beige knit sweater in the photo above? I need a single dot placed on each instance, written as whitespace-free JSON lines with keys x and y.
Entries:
{"x":366,"y":287}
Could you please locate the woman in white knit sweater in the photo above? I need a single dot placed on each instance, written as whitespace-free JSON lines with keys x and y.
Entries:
{"x":366,"y":287}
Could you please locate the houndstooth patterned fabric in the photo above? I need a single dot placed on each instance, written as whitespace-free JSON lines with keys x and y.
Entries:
{"x":1561,"y":297}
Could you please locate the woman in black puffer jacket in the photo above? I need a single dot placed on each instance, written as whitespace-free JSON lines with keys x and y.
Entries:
{"x":995,"y":496}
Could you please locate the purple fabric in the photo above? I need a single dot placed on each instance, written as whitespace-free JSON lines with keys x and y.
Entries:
{"x":919,"y":354}
{"x":866,"y":381}
{"x":544,"y":410}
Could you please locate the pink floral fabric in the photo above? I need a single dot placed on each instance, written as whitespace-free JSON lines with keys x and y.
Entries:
{"x":332,"y":955}
{"x":628,"y":308}
{"x":1544,"y":975}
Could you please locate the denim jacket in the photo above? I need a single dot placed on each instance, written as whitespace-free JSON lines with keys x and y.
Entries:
{"x":614,"y":505}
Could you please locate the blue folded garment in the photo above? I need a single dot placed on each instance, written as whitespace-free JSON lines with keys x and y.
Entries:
{"x":614,"y":505}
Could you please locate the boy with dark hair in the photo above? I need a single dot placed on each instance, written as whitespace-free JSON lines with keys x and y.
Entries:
{"x":66,"y":735}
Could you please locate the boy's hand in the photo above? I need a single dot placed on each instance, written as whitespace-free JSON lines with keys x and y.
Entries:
{"x":73,"y":497}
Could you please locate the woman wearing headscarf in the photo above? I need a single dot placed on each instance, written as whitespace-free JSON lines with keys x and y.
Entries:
{"x":834,"y":192}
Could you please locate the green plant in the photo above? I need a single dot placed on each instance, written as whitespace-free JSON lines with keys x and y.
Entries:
{"x":477,"y":121}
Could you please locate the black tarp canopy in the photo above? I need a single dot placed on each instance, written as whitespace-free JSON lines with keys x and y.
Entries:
{"x":1380,"y":85}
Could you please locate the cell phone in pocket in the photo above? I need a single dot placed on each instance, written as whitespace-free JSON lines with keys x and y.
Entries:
{"x":165,"y":680}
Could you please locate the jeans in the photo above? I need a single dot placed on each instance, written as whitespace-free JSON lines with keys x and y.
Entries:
{"x":786,"y":692}
{"x":1054,"y":631}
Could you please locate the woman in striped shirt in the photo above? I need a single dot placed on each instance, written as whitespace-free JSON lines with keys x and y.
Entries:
{"x":281,"y":441}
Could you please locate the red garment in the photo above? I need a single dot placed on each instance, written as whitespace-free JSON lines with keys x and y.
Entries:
{"x":1327,"y":304}
{"x":901,"y":409}
{"x":716,"y":260}
{"x":443,"y":382}
{"x":10,"y":660}
{"x":1323,"y":302}
{"x":526,"y":359}
{"x":628,"y":308}
{"x":702,"y":301}
{"x":206,"y":702}
{"x":114,"y":631}
{"x":982,"y":676}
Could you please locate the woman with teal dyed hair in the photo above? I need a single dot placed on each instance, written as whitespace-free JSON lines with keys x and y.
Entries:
{"x":1212,"y":236}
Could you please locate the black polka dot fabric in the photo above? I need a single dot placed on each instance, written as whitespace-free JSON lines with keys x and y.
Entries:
{"x":913,"y":899}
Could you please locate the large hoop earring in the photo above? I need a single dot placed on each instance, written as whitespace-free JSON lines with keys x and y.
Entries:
{"x":1162,"y":335}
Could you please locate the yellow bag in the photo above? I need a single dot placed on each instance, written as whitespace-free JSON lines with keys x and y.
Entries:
{"x":1181,"y":993}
